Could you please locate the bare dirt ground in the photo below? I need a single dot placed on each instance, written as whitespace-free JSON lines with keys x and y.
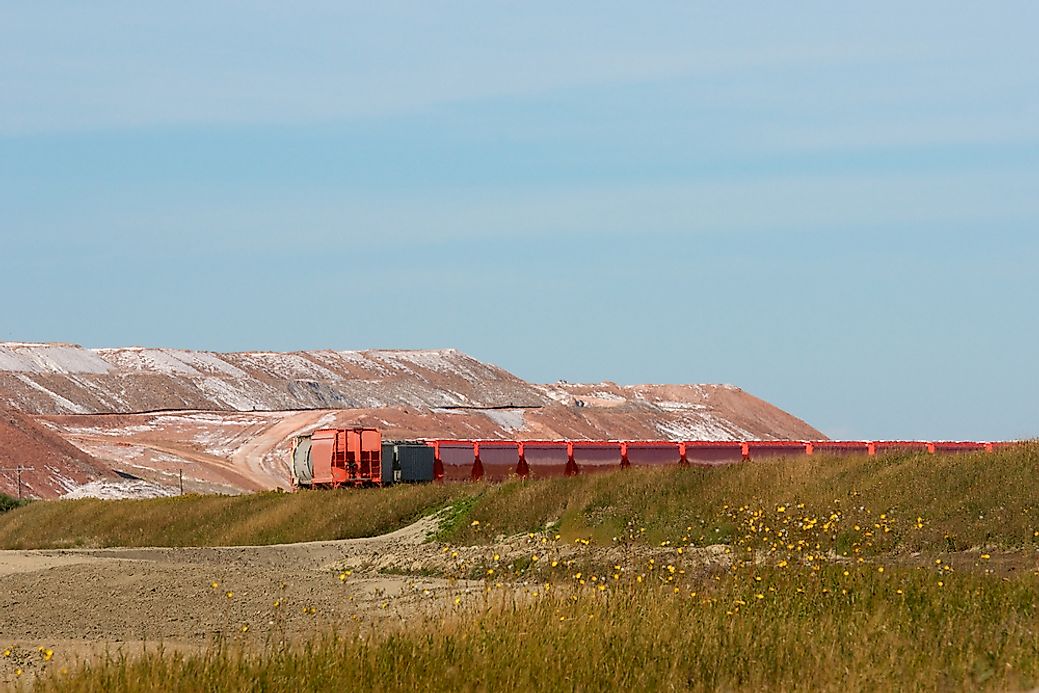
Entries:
{"x":63,"y":607}
{"x":80,"y":604}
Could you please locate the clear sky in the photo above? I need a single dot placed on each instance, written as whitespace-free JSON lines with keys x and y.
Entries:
{"x":836,"y":209}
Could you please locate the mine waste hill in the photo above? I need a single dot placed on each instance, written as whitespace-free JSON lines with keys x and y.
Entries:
{"x":134,"y":421}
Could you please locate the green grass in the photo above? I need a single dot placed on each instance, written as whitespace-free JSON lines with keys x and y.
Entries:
{"x":9,"y":503}
{"x":929,"y":502}
{"x":261,"y":518}
{"x":762,"y":629}
{"x":789,"y":613}
{"x":962,"y":501}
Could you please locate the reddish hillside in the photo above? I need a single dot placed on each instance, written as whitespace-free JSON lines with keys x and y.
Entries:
{"x":57,"y":466}
{"x":68,"y":379}
{"x":225,"y":421}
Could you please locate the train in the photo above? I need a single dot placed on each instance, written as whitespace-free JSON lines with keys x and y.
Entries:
{"x":341,"y":457}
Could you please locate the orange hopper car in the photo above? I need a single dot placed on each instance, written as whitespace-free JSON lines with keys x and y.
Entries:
{"x":344,"y":457}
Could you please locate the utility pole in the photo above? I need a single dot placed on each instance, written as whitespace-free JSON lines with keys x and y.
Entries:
{"x":18,"y":475}
{"x":182,"y":481}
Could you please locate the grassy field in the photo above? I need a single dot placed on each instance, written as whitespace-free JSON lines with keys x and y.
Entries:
{"x":261,"y":518}
{"x":899,"y":503}
{"x":929,"y":502}
{"x":829,"y":628}
{"x":909,"y":572}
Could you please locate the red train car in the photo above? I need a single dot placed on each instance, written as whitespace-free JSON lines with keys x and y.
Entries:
{"x":455,"y":461}
{"x":709,"y":453}
{"x":882,"y":446}
{"x":499,"y":460}
{"x":589,"y":456}
{"x":547,"y":458}
{"x":650,"y":453}
{"x":946,"y":447}
{"x":840,"y":447}
{"x":759,"y":449}
{"x":339,"y":457}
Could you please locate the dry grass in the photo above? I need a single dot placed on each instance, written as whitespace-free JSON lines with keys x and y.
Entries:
{"x":949,"y":502}
{"x":816,"y":591}
{"x":831,"y":628}
{"x":261,"y":518}
{"x":942,"y":503}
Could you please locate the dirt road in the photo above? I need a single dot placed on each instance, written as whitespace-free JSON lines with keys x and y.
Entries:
{"x":81,"y":603}
{"x":255,"y":455}
{"x":67,"y":605}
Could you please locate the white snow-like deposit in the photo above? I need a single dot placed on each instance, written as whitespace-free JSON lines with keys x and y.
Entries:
{"x":227,"y":394}
{"x":607,"y":396}
{"x":218,"y":442}
{"x":11,"y":362}
{"x":448,"y":361}
{"x":117,"y":432}
{"x":357,"y":359}
{"x":69,"y":406}
{"x":210,"y":419}
{"x":702,"y":429}
{"x":210,"y":363}
{"x":56,"y":476}
{"x":50,"y":358}
{"x":147,"y":360}
{"x":285,"y":365}
{"x":509,"y":420}
{"x":109,"y":489}
{"x":556,"y":394}
{"x":177,"y":362}
{"x":681,"y":406}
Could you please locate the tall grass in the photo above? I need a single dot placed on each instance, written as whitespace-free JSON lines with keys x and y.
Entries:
{"x":943,"y":502}
{"x":261,"y":518}
{"x":835,"y":628}
{"x":939,"y":502}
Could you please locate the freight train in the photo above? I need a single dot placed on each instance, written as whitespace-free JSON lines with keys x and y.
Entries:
{"x":331,"y":458}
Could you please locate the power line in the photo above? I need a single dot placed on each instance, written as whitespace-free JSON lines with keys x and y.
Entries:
{"x":18,"y":470}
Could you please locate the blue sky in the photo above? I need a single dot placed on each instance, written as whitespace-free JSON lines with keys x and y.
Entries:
{"x":834,"y":208}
